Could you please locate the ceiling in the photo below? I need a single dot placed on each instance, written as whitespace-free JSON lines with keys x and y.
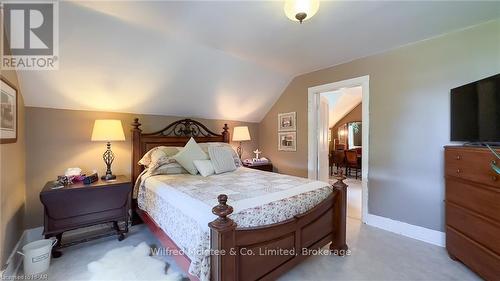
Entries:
{"x":221,"y":60}
{"x":342,"y":102}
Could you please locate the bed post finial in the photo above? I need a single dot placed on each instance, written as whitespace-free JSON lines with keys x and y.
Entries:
{"x":222,"y":211}
{"x":223,"y":241}
{"x":225,"y":133}
{"x":339,"y":184}
{"x":339,"y":244}
{"x":136,"y":124}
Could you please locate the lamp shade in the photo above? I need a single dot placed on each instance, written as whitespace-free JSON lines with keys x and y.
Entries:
{"x":241,"y":133}
{"x":108,"y":130}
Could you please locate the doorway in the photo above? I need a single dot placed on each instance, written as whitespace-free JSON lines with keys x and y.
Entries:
{"x":330,"y":133}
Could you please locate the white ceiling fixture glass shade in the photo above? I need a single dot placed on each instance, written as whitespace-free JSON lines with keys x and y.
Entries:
{"x":301,"y":10}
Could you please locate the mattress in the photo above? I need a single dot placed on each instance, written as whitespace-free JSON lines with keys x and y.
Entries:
{"x":181,"y":205}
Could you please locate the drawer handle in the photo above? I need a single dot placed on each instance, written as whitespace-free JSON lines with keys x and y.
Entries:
{"x":459,"y":157}
{"x":459,"y":171}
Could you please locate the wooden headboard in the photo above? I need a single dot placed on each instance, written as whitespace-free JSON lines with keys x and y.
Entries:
{"x":177,"y":133}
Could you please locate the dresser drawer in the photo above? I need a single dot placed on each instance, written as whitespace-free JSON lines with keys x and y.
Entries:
{"x":484,"y":231}
{"x":472,"y":165}
{"x":475,"y":256}
{"x":481,"y":199}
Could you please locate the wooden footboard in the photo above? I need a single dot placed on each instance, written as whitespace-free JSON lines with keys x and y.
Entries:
{"x":263,"y":253}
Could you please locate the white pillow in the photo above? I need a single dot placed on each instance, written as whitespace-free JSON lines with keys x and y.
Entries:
{"x":156,"y":153}
{"x":236,"y":158}
{"x":205,"y":167}
{"x":222,"y":159}
{"x":188,"y":154}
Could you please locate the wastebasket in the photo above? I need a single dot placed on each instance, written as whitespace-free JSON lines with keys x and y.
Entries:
{"x":37,"y":256}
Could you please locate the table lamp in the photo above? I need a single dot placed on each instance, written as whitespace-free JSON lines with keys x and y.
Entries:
{"x":108,"y":130}
{"x":241,"y":133}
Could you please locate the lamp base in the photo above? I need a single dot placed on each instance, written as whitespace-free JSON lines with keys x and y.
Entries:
{"x":108,"y":158}
{"x":108,"y":177}
{"x":239,"y":150}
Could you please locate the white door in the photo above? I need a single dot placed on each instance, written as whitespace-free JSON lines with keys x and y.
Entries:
{"x":323,"y":145}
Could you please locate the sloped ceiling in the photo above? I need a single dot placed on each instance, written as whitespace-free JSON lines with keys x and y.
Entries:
{"x":341,"y":102}
{"x":227,"y":60}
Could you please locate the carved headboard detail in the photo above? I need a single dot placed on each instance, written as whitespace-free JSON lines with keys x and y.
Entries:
{"x":185,"y":128}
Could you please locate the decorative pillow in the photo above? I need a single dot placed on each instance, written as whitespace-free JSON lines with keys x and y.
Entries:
{"x":236,"y":158}
{"x":158,"y":151}
{"x":188,"y":154}
{"x":221,"y":158}
{"x":205,"y":167}
{"x":169,"y":169}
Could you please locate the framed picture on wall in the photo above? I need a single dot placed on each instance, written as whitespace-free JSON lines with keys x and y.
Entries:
{"x":8,"y":112}
{"x":287,"y":122}
{"x":287,"y":141}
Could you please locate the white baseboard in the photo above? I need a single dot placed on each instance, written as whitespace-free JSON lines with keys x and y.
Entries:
{"x":15,"y":259}
{"x":409,"y":230}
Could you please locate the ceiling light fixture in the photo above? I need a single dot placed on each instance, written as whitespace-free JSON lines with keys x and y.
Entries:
{"x":301,"y":10}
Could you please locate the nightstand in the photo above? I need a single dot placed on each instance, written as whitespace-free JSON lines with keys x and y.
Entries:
{"x":268,"y":167}
{"x":80,"y":205}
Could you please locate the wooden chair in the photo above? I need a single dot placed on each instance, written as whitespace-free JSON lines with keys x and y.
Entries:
{"x":339,"y":146}
{"x":339,"y":159}
{"x":352,"y":162}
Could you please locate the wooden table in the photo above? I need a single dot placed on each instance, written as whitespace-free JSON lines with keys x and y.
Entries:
{"x":80,"y":205}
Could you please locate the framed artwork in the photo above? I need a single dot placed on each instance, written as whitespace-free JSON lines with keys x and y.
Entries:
{"x":8,"y":112}
{"x":287,"y":122}
{"x":287,"y":141}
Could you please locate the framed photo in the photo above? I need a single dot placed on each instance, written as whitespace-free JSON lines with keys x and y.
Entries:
{"x":287,"y":122}
{"x":287,"y":141}
{"x":8,"y":112}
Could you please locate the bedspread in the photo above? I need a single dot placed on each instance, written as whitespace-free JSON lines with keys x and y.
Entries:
{"x":181,"y":205}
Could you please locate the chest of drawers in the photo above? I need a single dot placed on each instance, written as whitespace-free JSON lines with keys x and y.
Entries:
{"x":473,"y":209}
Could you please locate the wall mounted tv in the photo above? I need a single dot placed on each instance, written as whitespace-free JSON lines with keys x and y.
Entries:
{"x":475,"y":111}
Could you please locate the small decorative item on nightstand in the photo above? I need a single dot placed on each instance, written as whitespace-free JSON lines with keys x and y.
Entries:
{"x":108,"y":130}
{"x":257,"y":153}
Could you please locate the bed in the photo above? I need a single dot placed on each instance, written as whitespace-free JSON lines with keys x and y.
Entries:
{"x":250,"y":233}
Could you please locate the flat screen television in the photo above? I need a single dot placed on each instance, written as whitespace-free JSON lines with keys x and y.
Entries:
{"x":475,"y":111}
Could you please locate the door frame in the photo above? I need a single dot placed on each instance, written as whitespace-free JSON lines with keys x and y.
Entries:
{"x":313,"y":94}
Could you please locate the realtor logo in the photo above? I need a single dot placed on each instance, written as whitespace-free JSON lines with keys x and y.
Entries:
{"x":31,"y":30}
